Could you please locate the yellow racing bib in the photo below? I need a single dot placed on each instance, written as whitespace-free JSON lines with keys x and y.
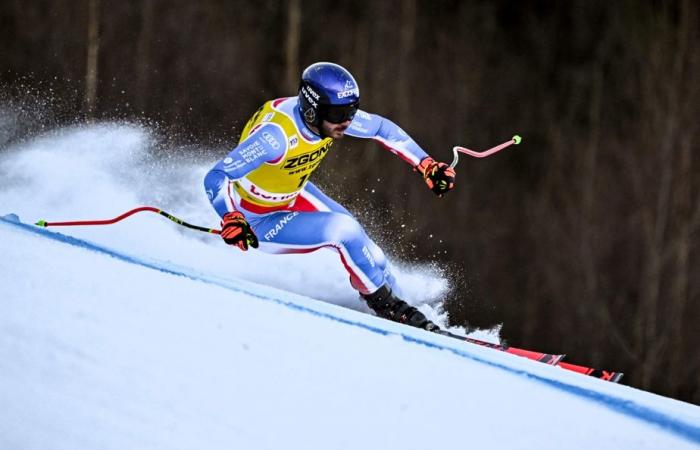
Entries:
{"x":276,"y":184}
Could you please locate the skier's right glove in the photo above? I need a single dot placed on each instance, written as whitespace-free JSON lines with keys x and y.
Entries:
{"x":439,"y":177}
{"x":235,"y":230}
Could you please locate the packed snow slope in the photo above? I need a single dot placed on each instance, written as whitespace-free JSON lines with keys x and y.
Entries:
{"x":145,"y":335}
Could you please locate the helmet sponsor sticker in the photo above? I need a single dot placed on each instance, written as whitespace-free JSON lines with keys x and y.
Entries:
{"x":312,"y":92}
{"x":268,"y":117}
{"x":349,"y":91}
{"x":310,"y":115}
{"x":310,"y":96}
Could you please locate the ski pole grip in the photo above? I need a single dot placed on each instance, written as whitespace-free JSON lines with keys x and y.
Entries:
{"x":455,"y":159}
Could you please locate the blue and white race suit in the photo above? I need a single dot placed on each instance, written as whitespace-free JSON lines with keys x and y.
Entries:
{"x":266,"y":177}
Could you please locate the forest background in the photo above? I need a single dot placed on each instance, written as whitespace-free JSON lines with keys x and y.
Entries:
{"x":583,"y":239}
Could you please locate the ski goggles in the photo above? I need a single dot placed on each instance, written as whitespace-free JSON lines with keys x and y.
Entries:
{"x":340,"y":113}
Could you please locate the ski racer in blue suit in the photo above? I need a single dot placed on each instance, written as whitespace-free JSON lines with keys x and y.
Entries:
{"x":261,"y":189}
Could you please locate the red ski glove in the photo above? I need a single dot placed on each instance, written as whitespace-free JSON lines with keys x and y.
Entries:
{"x":235,"y":230}
{"x":439,"y":177}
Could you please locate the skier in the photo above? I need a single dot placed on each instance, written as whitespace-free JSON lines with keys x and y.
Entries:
{"x":262,"y":192}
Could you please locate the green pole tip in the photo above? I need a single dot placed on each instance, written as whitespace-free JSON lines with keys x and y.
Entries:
{"x":41,"y":223}
{"x":517,"y":139}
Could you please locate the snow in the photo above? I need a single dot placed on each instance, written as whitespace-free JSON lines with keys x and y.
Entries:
{"x":145,"y":335}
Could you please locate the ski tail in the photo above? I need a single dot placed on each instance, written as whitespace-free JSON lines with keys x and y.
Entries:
{"x":606,"y":375}
{"x":546,"y":358}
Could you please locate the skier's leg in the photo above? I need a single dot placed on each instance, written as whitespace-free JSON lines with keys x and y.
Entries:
{"x":313,"y":199}
{"x":303,"y":232}
{"x":383,"y":301}
{"x":309,"y":229}
{"x":387,"y":305}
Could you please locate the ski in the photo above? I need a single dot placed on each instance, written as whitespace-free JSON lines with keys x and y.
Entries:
{"x":607,"y":375}
{"x":545,"y":358}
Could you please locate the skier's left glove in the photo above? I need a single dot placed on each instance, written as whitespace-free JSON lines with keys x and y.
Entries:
{"x":439,"y":177}
{"x":235,"y":230}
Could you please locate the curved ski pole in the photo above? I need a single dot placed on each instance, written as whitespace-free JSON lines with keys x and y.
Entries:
{"x":515,"y":140}
{"x":43,"y":223}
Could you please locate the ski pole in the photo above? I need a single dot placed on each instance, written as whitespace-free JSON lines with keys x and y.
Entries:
{"x":43,"y":223}
{"x":515,"y":140}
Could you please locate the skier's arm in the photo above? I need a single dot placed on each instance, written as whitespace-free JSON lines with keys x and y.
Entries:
{"x":389,"y":134}
{"x":439,"y":176}
{"x":267,"y":143}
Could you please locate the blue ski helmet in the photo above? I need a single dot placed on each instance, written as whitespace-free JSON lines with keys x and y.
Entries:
{"x":327,"y":92}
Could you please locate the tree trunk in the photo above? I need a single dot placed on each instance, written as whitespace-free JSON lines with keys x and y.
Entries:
{"x":291,"y":54}
{"x":93,"y":49}
{"x":143,"y":56}
{"x":406,"y":41}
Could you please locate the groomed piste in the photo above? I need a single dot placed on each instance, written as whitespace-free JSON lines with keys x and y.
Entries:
{"x":102,"y":347}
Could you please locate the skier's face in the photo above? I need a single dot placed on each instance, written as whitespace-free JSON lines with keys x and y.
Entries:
{"x":335,"y":130}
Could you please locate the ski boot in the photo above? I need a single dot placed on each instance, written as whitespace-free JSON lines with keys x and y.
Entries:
{"x":387,"y":305}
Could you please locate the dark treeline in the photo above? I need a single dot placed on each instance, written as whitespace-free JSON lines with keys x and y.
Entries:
{"x":582,"y":240}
